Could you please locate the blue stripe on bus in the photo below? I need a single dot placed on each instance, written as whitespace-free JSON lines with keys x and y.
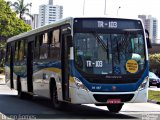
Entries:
{"x":21,"y":70}
{"x":92,"y":86}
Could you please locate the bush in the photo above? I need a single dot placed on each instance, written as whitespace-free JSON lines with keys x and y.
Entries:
{"x":1,"y":70}
{"x":154,"y":62}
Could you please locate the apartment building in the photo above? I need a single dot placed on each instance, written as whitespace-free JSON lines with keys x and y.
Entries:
{"x":151,"y":24}
{"x":49,"y":13}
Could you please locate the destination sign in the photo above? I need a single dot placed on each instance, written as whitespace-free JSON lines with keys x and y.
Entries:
{"x":108,"y":24}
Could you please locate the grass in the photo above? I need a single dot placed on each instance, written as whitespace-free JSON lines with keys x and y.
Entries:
{"x":154,"y":95}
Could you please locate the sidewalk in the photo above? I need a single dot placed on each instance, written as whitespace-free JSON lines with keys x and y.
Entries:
{"x":2,"y":79}
{"x":154,"y":88}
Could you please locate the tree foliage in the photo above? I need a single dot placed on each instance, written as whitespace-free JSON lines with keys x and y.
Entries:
{"x":154,"y":61}
{"x":10,"y":25}
{"x":21,"y":8}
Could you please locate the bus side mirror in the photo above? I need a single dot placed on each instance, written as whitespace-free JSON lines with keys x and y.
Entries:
{"x":149,"y":45}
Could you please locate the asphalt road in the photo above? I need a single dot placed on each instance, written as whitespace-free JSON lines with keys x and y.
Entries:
{"x":40,"y":108}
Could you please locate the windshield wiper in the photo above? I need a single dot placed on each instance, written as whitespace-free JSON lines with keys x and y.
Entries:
{"x":100,"y":41}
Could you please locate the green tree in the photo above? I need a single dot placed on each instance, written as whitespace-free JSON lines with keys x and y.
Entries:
{"x":22,"y":9}
{"x":10,"y":25}
{"x":154,"y":61}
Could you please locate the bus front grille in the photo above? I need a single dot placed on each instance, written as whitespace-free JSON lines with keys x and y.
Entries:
{"x":104,"y":97}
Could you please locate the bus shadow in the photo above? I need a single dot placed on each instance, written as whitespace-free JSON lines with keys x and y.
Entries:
{"x":71,"y":111}
{"x":40,"y":108}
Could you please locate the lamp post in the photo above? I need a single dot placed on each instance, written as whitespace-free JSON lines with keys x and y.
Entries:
{"x":118,"y":9}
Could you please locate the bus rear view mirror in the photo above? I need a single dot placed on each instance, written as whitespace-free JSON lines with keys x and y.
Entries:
{"x":149,"y":45}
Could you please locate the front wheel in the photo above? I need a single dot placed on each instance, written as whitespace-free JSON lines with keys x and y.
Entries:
{"x":114,"y":107}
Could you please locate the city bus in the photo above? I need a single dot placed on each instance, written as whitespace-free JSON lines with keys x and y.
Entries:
{"x":101,"y":61}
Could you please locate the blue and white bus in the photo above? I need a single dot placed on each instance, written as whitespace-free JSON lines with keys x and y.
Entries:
{"x":101,"y":61}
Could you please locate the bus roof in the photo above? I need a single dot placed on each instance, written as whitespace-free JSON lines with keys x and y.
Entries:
{"x":40,"y":29}
{"x":55,"y":24}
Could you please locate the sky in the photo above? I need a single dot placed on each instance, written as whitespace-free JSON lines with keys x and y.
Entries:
{"x":114,"y":8}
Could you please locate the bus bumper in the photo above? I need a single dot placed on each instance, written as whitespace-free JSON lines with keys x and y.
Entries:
{"x":81,"y":96}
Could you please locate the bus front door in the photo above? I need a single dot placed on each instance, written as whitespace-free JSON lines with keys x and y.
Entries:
{"x":65,"y":66}
{"x":30,"y":66}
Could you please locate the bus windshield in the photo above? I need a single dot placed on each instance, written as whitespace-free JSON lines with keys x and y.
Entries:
{"x":102,"y":53}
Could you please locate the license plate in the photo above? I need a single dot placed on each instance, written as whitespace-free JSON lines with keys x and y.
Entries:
{"x":113,"y":101}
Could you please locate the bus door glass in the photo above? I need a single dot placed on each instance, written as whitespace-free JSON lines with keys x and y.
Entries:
{"x":65,"y":62}
{"x":30,"y":66}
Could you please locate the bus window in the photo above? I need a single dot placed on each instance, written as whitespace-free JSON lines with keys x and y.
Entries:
{"x":25,"y":49}
{"x":44,"y":46}
{"x":55,"y":45}
{"x":17,"y":46}
{"x":8,"y":54}
{"x":37,"y":45}
{"x":21,"y":50}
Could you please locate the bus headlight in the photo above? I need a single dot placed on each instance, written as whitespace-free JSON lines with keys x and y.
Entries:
{"x":144,"y":83}
{"x":79,"y":84}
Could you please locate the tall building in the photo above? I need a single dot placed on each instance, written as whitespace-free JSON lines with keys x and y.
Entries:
{"x":35,"y":21}
{"x":49,"y":13}
{"x":151,"y":24}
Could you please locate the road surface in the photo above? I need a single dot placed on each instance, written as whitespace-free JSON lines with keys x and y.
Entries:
{"x":40,"y":108}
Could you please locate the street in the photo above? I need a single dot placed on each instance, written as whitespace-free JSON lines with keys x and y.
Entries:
{"x":40,"y":108}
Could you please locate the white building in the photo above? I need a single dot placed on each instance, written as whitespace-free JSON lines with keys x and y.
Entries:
{"x":151,"y":24}
{"x":35,"y":21}
{"x":49,"y":13}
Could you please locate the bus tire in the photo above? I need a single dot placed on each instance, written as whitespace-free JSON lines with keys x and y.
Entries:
{"x":114,"y":107}
{"x":54,"y":96}
{"x":19,"y":88}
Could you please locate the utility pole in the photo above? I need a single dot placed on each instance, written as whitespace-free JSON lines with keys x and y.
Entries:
{"x":83,"y":7}
{"x":105,"y":7}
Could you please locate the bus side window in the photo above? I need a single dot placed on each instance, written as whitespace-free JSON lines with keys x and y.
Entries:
{"x":21,"y":50}
{"x":8,"y":54}
{"x":37,"y":45}
{"x":44,"y":46}
{"x":55,"y":45}
{"x":16,"y":51}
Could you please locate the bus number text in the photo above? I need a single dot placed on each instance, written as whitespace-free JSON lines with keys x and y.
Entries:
{"x":112,"y":24}
{"x":94,"y":64}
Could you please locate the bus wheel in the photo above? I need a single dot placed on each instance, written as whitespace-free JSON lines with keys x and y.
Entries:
{"x":114,"y":107}
{"x":56,"y":104}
